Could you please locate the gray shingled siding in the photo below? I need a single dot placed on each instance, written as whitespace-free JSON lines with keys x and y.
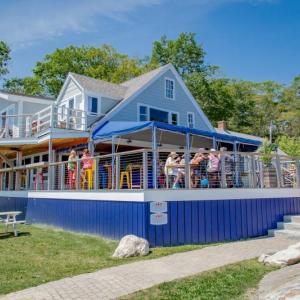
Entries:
{"x":154,"y":95}
{"x":107,"y":104}
{"x":71,"y":90}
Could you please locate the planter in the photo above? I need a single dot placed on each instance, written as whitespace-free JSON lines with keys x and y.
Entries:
{"x":270,"y":177}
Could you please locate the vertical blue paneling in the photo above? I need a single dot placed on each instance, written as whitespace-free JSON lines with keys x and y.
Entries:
{"x":221,"y":221}
{"x":208,"y":221}
{"x":233,"y":229}
{"x":227,"y":221}
{"x":201,"y":220}
{"x":173,"y":222}
{"x":214,"y":222}
{"x":188,"y":221}
{"x":259,"y":217}
{"x":238,"y":216}
{"x":195,"y":217}
{"x":180,"y":222}
{"x":244,"y":219}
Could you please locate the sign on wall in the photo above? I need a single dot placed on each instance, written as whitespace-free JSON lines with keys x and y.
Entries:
{"x":158,"y":206}
{"x":159,"y":219}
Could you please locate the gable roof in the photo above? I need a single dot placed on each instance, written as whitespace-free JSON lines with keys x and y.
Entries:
{"x":113,"y":90}
{"x":137,"y":85}
{"x":12,"y":96}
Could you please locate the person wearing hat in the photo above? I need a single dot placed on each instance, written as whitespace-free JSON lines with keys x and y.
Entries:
{"x":171,"y":171}
{"x":213,"y":169}
{"x":199,"y":173}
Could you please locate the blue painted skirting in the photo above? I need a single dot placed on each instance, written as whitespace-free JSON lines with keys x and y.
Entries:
{"x":188,"y":221}
{"x":14,"y":204}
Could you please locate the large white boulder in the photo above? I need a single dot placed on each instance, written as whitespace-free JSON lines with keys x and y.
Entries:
{"x":131,"y":245}
{"x":282,"y":258}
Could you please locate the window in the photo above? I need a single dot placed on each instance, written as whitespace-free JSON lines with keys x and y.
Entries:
{"x":170,"y":89}
{"x":71,"y":103}
{"x":143,"y":113}
{"x":93,"y":105}
{"x":174,"y":118}
{"x":159,"y":115}
{"x":190,"y":119}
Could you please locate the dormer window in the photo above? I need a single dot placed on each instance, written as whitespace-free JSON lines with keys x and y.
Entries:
{"x":93,"y":105}
{"x":169,"y":89}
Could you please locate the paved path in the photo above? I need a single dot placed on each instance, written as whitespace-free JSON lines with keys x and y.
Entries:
{"x":125,"y":279}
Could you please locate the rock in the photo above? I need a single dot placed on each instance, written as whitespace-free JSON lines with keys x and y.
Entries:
{"x":131,"y":245}
{"x":282,"y":258}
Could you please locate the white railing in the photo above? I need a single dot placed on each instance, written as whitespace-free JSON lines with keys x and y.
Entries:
{"x":24,"y":126}
{"x":137,"y":170}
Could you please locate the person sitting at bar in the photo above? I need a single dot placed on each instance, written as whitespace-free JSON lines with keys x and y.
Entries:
{"x":72,"y":169}
{"x":171,"y":169}
{"x":227,"y":161}
{"x":199,"y":168}
{"x":181,"y":172}
{"x":213,"y":169}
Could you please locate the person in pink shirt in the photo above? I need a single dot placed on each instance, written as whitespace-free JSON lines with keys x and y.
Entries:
{"x":213,"y":169}
{"x":87,"y":163}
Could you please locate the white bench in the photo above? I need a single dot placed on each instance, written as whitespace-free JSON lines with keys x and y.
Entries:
{"x":10,"y":220}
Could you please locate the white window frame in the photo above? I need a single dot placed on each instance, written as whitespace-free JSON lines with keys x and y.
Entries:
{"x":98,"y":105}
{"x":187,"y":119}
{"x":170,"y":112}
{"x":170,"y":117}
{"x":165,"y":91}
{"x":138,"y":112}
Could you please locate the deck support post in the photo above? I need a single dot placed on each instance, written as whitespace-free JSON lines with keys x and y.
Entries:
{"x":145,"y":169}
{"x":187,"y":161}
{"x":118,"y":172}
{"x":214,"y":143}
{"x":50,"y":168}
{"x":154,"y":157}
{"x":18,"y":173}
{"x":253,"y":172}
{"x":113,"y":157}
{"x":236,"y":166}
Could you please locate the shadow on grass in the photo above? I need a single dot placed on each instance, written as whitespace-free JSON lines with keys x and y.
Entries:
{"x":8,"y":235}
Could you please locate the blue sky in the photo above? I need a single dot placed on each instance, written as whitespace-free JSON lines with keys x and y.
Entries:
{"x":249,"y":39}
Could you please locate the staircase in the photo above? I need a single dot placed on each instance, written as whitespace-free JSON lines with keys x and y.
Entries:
{"x":289,"y":228}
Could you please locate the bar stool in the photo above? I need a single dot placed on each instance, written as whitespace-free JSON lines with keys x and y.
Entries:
{"x":125,"y":175}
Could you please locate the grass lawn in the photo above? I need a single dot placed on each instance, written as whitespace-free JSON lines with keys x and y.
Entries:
{"x":230,"y":282}
{"x":43,"y":254}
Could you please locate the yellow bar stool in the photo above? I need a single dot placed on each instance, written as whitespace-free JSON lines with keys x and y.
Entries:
{"x":125,"y":175}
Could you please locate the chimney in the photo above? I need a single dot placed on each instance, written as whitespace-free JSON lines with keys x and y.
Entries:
{"x":222,"y":125}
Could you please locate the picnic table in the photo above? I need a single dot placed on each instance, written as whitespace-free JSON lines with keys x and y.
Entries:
{"x":10,"y":218}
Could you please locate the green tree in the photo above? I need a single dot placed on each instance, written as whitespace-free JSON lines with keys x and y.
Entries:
{"x":4,"y":57}
{"x":186,"y":55}
{"x":289,"y":145}
{"x":27,"y":85}
{"x":289,"y":109}
{"x":101,"y":63}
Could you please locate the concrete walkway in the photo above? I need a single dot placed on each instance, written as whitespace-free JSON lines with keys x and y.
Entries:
{"x":125,"y":279}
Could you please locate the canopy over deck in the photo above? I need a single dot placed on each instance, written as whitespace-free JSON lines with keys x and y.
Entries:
{"x":111,"y":129}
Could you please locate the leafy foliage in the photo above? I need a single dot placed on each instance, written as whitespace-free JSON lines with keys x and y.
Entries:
{"x":290,"y":145}
{"x":266,"y":150}
{"x":248,"y":107}
{"x":4,"y":57}
{"x":27,"y":85}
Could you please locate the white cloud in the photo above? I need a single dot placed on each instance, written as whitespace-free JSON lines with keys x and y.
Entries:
{"x":25,"y":22}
